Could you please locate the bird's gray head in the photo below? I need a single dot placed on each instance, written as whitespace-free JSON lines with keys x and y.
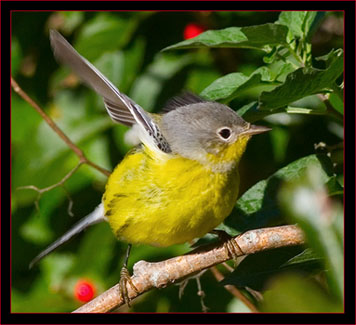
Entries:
{"x":197,"y":129}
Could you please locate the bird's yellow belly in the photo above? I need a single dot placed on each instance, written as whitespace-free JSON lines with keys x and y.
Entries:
{"x":161,"y":205}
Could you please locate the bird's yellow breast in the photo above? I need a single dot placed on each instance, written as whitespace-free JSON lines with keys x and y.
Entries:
{"x":168,"y":202}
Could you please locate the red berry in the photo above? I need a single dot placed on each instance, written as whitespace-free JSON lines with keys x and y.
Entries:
{"x":192,"y":29}
{"x":84,"y":290}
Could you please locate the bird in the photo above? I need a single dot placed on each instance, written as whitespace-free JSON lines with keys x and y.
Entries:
{"x":180,"y":182}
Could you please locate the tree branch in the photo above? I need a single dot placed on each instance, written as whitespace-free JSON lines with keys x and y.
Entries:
{"x":161,"y":274}
{"x":56,"y":129}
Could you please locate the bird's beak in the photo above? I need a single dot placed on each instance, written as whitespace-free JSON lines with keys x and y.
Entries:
{"x":256,"y":129}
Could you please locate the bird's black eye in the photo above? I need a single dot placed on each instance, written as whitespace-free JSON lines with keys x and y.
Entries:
{"x":224,"y":133}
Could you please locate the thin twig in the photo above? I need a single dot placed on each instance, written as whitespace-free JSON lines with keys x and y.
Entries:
{"x":228,"y":267}
{"x":51,"y":187}
{"x":254,"y":293}
{"x":161,"y":274}
{"x":182,"y":285}
{"x":200,"y":292}
{"x":233,"y":290}
{"x":56,"y":129}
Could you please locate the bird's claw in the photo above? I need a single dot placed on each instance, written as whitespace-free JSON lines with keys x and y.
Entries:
{"x":232,"y":248}
{"x":125,"y":279}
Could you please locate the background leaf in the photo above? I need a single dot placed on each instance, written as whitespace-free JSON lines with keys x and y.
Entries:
{"x":234,"y":84}
{"x":304,"y":82}
{"x":126,"y":47}
{"x":257,"y":269}
{"x":306,"y":202}
{"x":296,"y":294}
{"x":258,"y":208}
{"x":105,"y":32}
{"x":256,"y":37}
{"x":298,"y":22}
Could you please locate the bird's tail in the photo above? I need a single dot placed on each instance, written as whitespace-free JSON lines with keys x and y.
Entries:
{"x":94,"y":217}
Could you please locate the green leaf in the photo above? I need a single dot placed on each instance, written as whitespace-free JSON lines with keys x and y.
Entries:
{"x":89,"y":244}
{"x":71,"y":20}
{"x":225,"y":86}
{"x":337,"y":103}
{"x":55,"y":268}
{"x":234,"y":84}
{"x":304,"y":82}
{"x":284,"y":70}
{"x":148,"y":86}
{"x":291,"y":293}
{"x":105,"y":32}
{"x":258,"y":206}
{"x":280,"y":138}
{"x":16,"y":56}
{"x":36,"y":230}
{"x":22,"y":128}
{"x":307,"y":255}
{"x":305,"y":201}
{"x":40,"y":299}
{"x":97,"y":149}
{"x":71,"y":116}
{"x":256,"y":269}
{"x":270,"y":57}
{"x":121,"y":67}
{"x":254,"y":37}
{"x":298,"y":22}
{"x":133,"y":59}
{"x":331,"y":57}
{"x":251,"y":113}
{"x":248,"y":109}
{"x":334,"y":187}
{"x":44,"y":153}
{"x":201,"y":77}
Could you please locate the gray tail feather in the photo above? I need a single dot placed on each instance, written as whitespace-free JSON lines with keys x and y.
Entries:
{"x":94,"y":217}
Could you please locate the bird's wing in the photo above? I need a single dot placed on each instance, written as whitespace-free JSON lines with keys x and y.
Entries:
{"x":120,"y":107}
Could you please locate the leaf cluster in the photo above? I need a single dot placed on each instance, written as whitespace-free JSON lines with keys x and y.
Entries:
{"x":267,"y":70}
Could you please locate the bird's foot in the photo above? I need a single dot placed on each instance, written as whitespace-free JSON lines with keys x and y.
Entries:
{"x":125,"y":279}
{"x":232,"y":248}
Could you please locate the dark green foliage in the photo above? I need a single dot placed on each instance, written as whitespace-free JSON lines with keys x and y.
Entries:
{"x":261,"y":64}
